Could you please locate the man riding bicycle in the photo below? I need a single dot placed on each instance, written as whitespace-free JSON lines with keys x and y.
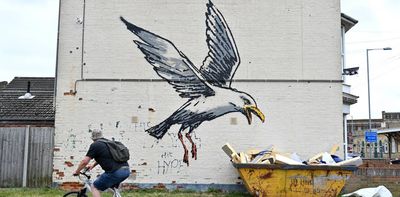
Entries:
{"x":114,"y":172}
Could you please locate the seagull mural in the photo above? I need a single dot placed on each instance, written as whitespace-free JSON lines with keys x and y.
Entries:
{"x":208,"y":90}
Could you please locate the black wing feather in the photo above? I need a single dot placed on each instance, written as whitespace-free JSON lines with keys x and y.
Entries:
{"x":223,"y":58}
{"x":170,"y":63}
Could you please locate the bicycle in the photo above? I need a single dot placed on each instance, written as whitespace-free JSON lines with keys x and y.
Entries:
{"x":87,"y":186}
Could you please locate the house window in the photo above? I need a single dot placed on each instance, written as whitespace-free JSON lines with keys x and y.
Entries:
{"x":378,"y":147}
{"x":386,"y":147}
{"x":394,"y":146}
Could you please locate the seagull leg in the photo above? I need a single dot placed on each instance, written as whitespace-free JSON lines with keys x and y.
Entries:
{"x":186,"y":152}
{"x":194,"y":148}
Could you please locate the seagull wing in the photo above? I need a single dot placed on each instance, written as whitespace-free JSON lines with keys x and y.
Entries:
{"x":170,"y":63}
{"x":223,"y":58}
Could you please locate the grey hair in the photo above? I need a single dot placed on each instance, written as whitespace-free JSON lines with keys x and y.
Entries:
{"x":96,"y":134}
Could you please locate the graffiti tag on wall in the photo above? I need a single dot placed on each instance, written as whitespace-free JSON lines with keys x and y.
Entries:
{"x":168,"y":164}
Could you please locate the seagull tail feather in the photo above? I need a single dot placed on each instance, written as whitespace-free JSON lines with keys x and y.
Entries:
{"x":159,"y":130}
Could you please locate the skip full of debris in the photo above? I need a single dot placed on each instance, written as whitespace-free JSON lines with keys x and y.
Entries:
{"x":270,"y":156}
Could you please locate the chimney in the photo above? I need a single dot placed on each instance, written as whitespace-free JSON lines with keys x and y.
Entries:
{"x":28,"y":94}
{"x":29,"y":87}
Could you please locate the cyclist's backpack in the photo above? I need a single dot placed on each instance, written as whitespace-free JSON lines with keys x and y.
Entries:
{"x":119,"y":151}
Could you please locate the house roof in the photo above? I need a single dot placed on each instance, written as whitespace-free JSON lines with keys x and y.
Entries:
{"x":347,"y":22}
{"x":39,"y":108}
{"x":3,"y":84}
{"x":391,"y":130}
{"x":37,"y":84}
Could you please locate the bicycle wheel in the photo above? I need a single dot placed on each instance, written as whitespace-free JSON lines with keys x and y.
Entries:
{"x":77,"y":194}
{"x":116,"y":192}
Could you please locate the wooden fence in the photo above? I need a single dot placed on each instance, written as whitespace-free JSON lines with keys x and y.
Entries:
{"x":26,"y":156}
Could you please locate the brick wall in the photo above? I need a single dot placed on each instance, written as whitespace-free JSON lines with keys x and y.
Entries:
{"x":290,"y":41}
{"x":70,"y":186}
{"x":374,"y":173}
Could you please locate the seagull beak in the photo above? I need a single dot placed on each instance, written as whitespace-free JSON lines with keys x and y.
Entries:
{"x":248,"y":109}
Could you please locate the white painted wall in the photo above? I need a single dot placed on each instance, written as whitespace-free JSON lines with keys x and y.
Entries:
{"x":286,"y":40}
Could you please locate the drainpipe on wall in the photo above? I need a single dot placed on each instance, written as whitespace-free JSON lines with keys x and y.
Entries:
{"x":73,"y":92}
{"x":83,"y":36}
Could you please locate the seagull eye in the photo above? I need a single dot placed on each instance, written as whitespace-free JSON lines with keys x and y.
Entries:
{"x":246,"y":101}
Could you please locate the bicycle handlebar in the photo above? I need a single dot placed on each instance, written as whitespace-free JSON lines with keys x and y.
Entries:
{"x":84,"y":171}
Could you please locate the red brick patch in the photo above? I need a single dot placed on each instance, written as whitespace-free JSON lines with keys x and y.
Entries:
{"x":60,"y":174}
{"x":68,"y":163}
{"x":71,"y":186}
{"x":159,"y":186}
{"x":127,"y":186}
{"x":373,"y":173}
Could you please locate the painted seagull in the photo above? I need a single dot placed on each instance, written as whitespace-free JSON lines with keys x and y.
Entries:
{"x":207,"y":89}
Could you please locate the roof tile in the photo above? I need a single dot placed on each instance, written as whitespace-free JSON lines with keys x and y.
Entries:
{"x":38,"y":108}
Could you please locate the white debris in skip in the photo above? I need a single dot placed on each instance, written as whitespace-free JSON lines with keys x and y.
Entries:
{"x":270,"y":156}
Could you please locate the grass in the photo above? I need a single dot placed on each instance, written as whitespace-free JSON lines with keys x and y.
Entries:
{"x":50,"y":192}
{"x":28,"y":192}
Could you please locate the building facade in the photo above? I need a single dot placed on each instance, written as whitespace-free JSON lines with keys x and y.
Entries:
{"x":348,"y":99}
{"x":290,"y":65}
{"x":388,"y":140}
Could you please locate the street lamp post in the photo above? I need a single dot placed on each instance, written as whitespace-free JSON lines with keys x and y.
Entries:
{"x":369,"y":100}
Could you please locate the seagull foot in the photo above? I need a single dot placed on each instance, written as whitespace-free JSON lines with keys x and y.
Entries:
{"x":186,"y":152}
{"x":186,"y":157}
{"x":194,"y":148}
{"x":194,"y":152}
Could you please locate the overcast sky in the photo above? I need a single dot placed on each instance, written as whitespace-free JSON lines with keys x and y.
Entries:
{"x":28,"y":38}
{"x":28,"y":42}
{"x":378,"y":26}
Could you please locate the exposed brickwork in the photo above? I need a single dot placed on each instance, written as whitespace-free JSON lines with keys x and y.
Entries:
{"x":70,"y":186}
{"x":128,"y":186}
{"x":159,"y":186}
{"x":374,"y":173}
{"x":69,"y":164}
{"x":60,"y":174}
